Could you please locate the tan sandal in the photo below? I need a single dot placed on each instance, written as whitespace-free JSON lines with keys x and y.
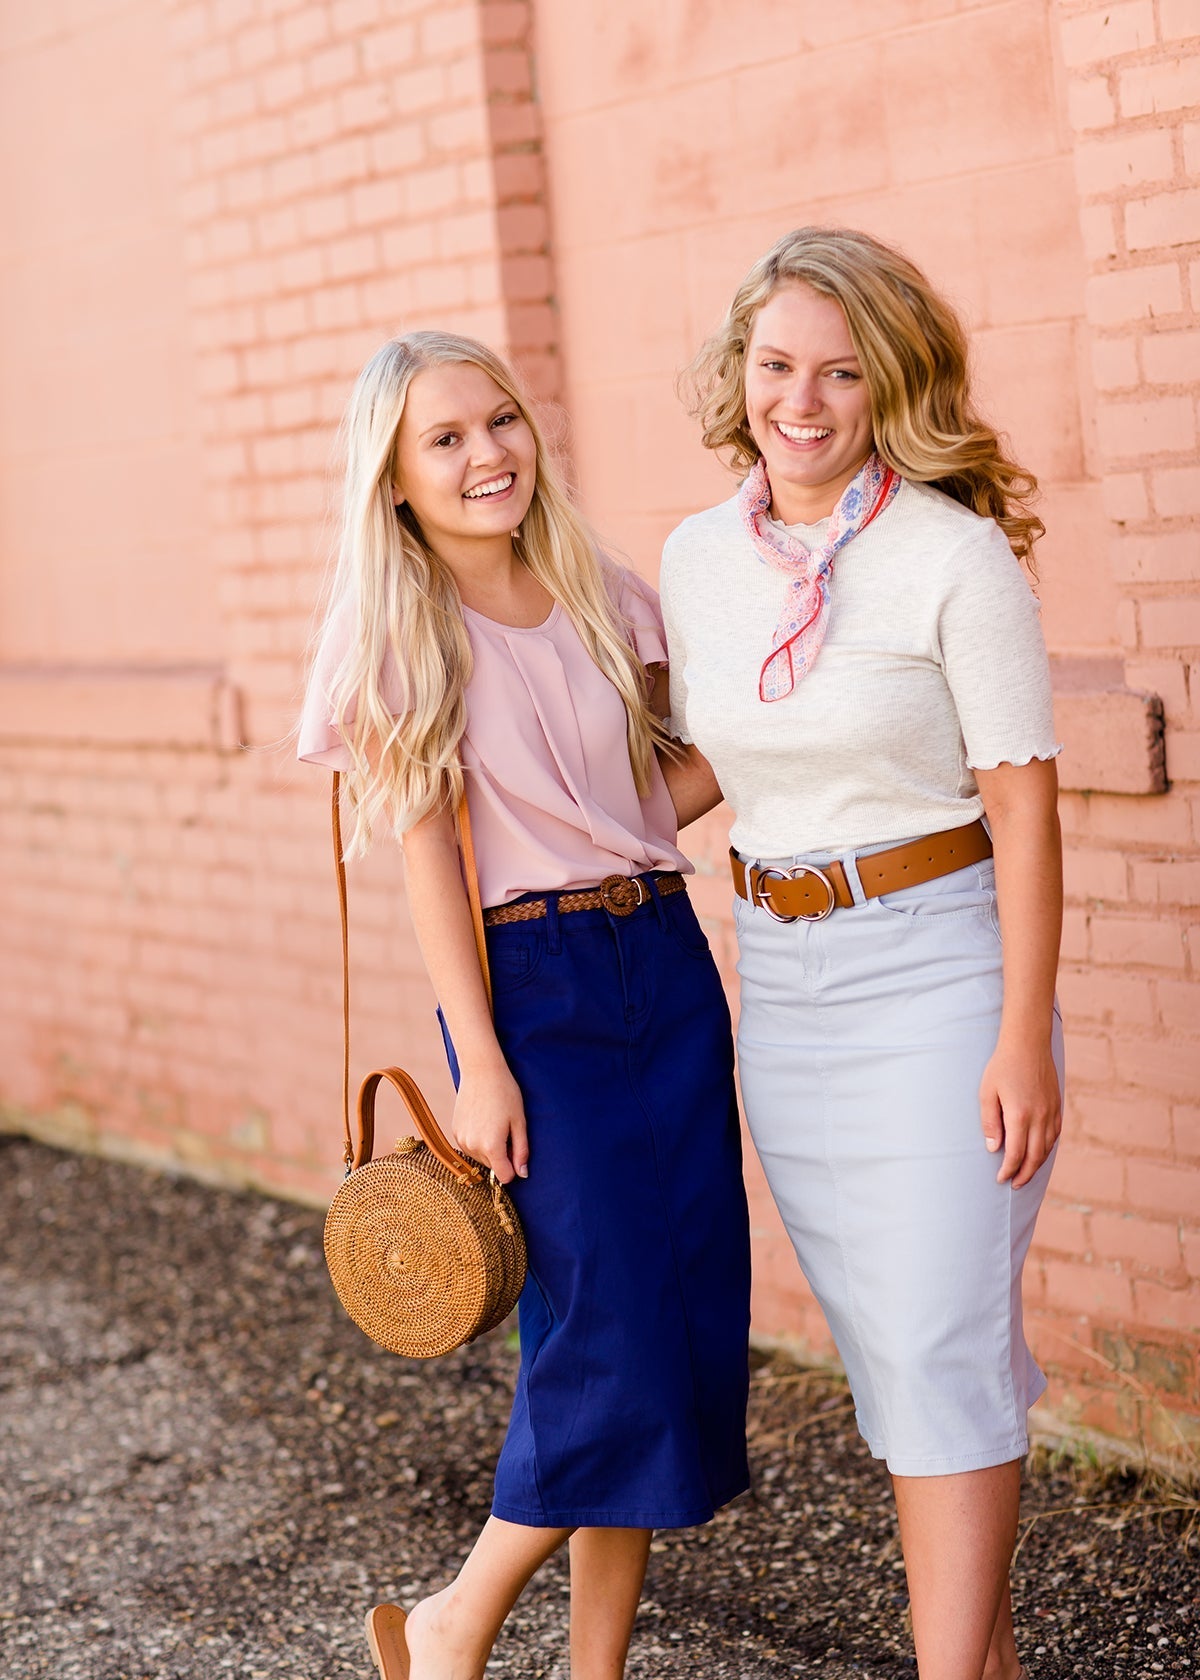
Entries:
{"x":385,"y":1636}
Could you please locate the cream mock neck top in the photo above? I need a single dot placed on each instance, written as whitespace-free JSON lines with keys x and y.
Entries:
{"x":933,"y":665}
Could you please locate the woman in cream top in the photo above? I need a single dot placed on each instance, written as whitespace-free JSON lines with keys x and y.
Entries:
{"x":855,"y":653}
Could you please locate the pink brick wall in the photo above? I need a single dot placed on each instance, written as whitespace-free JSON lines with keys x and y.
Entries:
{"x":324,"y":174}
{"x":219,"y":206}
{"x":98,"y":429}
{"x":1119,"y":1277}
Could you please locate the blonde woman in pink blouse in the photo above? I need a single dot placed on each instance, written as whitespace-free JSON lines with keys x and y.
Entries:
{"x":478,"y":638}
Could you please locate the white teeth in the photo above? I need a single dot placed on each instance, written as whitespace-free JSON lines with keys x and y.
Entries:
{"x":491,"y":488}
{"x":804,"y":434}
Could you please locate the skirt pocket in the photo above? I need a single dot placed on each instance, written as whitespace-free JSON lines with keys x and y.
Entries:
{"x":964,"y":893}
{"x":516,"y":952}
{"x":684,"y":926}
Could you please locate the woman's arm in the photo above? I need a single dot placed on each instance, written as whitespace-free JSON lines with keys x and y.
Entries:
{"x":690,"y":782}
{"x":1019,"y":1097}
{"x":686,"y":771}
{"x":489,"y":1116}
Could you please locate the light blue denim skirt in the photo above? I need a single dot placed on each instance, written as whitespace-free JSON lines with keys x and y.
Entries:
{"x":862,"y":1042}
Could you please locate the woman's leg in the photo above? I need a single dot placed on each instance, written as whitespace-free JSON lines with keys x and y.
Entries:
{"x":958,"y":1534}
{"x":608,"y":1566}
{"x":1002,"y":1660}
{"x":450,"y":1634}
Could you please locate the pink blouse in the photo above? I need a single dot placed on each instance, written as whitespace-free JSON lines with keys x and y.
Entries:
{"x":549,"y":785}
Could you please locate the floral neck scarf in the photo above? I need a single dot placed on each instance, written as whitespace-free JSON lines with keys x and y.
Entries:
{"x":801,"y":628}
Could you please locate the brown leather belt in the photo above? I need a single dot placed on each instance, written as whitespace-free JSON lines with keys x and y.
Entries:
{"x":620,"y":895}
{"x":809,"y":893}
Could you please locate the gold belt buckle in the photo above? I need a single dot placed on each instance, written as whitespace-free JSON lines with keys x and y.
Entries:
{"x":621,"y":895}
{"x":758,"y":895}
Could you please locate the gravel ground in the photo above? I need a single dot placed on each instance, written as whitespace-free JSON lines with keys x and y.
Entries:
{"x":205,"y":1470}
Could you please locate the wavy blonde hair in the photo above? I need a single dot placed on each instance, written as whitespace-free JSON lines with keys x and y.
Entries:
{"x":913,"y":352}
{"x":405,"y":602}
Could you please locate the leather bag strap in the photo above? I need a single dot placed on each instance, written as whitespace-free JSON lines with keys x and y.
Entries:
{"x":466,"y":846}
{"x":401,"y":1082}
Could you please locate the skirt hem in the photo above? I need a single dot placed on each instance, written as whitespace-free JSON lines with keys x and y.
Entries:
{"x":952,"y":1464}
{"x":598,"y":1517}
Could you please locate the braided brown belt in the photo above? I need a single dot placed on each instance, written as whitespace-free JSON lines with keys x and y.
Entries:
{"x":620,"y":895}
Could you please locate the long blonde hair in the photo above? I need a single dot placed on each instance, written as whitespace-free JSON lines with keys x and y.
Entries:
{"x":405,"y":603}
{"x":913,"y":351}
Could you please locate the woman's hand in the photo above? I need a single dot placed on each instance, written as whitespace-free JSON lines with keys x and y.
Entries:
{"x":1020,"y":1107}
{"x":1019,"y":1099}
{"x":489,"y":1121}
{"x":686,"y":771}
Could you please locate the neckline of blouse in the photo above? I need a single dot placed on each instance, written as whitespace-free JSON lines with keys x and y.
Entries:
{"x":517,"y":629}
{"x":817,"y":525}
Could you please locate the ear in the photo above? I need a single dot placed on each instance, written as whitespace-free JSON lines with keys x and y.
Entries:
{"x":397,"y":495}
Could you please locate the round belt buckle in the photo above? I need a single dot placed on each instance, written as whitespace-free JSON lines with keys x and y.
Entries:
{"x":621,"y":895}
{"x":760,"y":896}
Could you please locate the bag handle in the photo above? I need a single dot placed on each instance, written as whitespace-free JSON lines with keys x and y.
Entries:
{"x":422,"y":1115}
{"x":401,"y":1082}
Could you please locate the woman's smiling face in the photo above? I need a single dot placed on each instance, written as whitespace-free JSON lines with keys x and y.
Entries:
{"x":807,"y":403}
{"x":465,"y":456}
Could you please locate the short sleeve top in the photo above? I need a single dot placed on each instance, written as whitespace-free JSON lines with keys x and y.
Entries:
{"x":933,"y":665}
{"x":550,"y":788}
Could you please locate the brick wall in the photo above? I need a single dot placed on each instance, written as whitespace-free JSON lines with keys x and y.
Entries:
{"x":221,"y":206}
{"x":1117,"y":1266}
{"x":332,"y":172}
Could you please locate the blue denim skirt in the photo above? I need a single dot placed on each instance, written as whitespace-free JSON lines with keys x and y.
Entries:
{"x":630,"y":1407}
{"x":861,"y":1046}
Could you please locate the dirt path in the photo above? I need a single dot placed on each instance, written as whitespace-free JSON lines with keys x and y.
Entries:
{"x":205,"y":1470}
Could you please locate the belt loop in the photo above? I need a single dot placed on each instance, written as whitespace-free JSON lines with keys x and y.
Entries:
{"x":553,"y":926}
{"x":652,"y":885}
{"x":854,"y":881}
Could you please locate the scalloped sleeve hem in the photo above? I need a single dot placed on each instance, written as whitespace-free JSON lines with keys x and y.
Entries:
{"x":994,"y":761}
{"x":676,"y":731}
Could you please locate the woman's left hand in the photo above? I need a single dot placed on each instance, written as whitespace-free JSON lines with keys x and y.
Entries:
{"x":1020,"y":1108}
{"x":1019,"y":1099}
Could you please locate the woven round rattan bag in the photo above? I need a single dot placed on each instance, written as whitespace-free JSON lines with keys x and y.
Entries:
{"x":422,"y":1258}
{"x":425,"y":1250}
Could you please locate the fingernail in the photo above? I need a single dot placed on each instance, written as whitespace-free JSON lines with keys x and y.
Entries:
{"x":522,"y":1172}
{"x":993,"y":1144}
